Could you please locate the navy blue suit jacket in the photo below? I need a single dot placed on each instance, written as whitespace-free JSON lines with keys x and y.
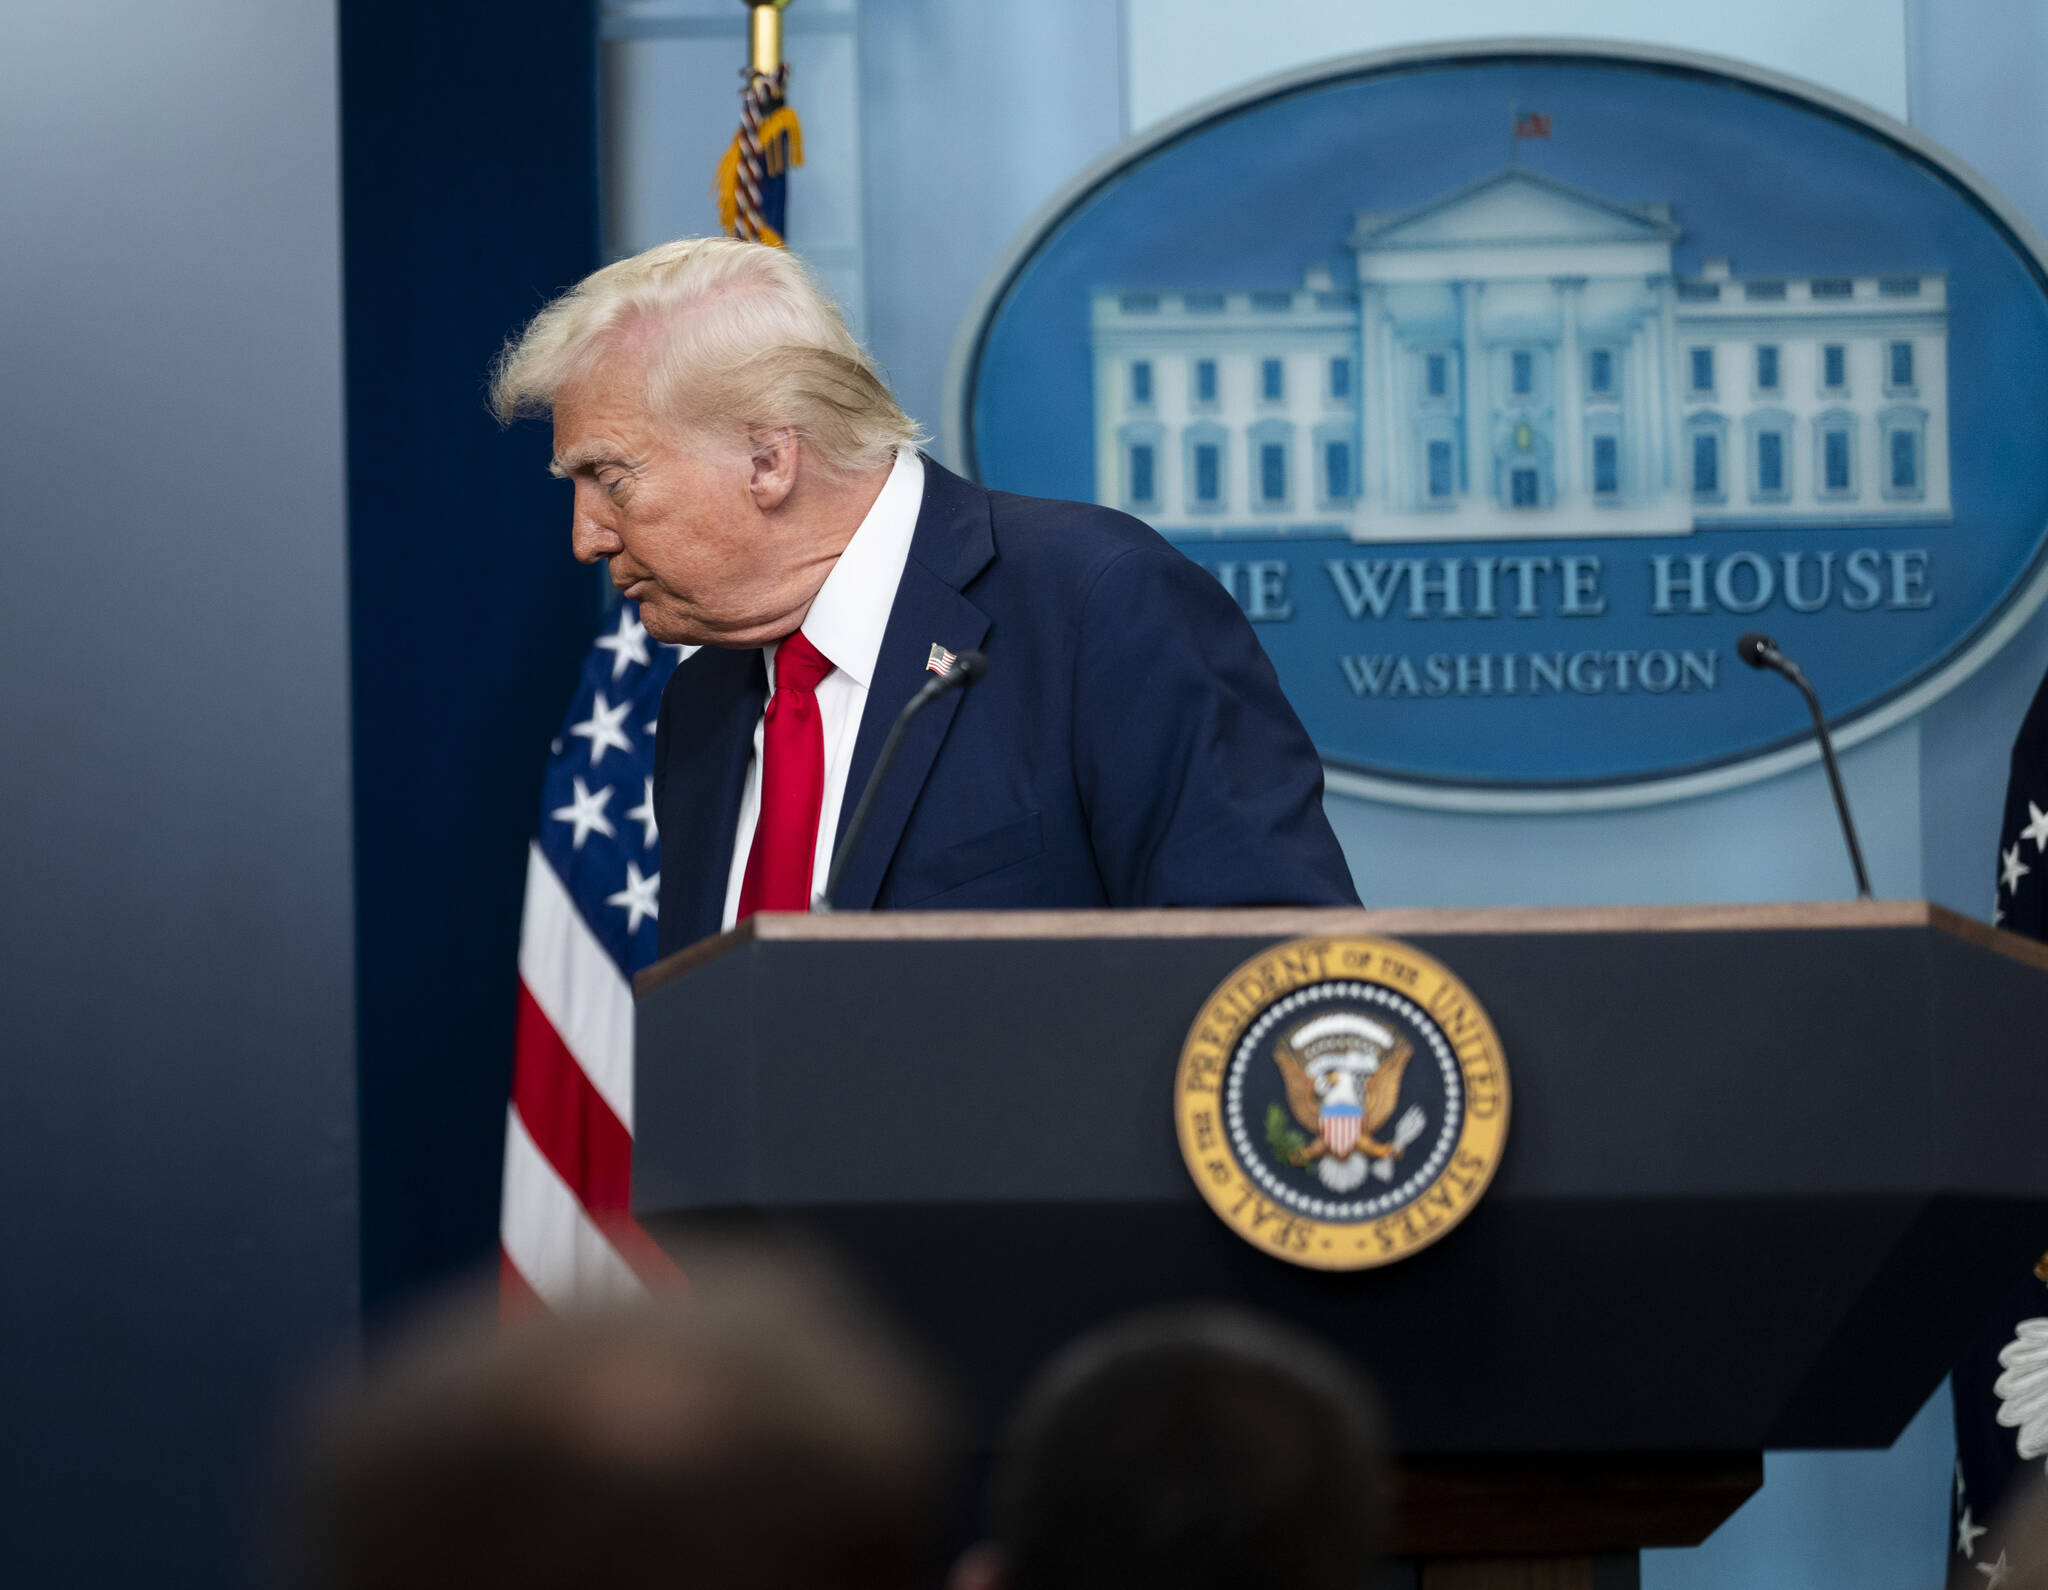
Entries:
{"x":1129,"y":746}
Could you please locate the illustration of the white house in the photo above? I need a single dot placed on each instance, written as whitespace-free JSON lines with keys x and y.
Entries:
{"x":1519,"y":359}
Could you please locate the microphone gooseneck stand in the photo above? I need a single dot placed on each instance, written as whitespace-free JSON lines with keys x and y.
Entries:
{"x":1760,"y":651}
{"x":967,"y":667}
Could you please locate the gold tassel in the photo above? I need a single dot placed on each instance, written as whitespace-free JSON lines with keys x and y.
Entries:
{"x":782,"y":120}
{"x":727,"y":186}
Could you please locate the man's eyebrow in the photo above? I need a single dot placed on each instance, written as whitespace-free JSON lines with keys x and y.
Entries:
{"x":587,"y":456}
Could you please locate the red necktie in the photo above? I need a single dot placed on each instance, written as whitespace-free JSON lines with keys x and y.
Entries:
{"x":778,"y":876}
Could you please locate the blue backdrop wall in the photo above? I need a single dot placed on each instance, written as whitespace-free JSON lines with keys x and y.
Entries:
{"x":469,"y":158}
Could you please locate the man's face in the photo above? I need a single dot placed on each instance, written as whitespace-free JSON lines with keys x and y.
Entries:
{"x":676,"y":517}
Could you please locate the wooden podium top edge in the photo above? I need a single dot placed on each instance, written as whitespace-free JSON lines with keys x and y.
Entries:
{"x":1279,"y":922}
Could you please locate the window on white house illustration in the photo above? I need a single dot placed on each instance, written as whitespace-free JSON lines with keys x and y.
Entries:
{"x":1272,"y":380}
{"x":1837,"y":460}
{"x":1770,"y":463}
{"x":1522,"y":485}
{"x":1700,"y":369}
{"x":1144,"y":473}
{"x":1141,"y":381}
{"x":1706,"y":464}
{"x":1336,"y":471}
{"x":1205,"y":380}
{"x":1208,"y":472}
{"x":1340,"y":378}
{"x":1902,"y":436}
{"x":1272,"y":472}
{"x":1905,"y":462}
{"x":1439,"y":461}
{"x":1521,"y":372}
{"x":1767,"y":367}
{"x":1899,"y":365}
{"x":1834,"y":366}
{"x":1435,"y":375}
{"x":1600,"y":371}
{"x":1606,"y":466}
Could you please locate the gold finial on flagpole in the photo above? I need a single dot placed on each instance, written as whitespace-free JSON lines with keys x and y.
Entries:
{"x":765,"y":34}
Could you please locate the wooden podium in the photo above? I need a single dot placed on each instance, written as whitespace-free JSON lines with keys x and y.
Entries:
{"x":1768,"y":1168}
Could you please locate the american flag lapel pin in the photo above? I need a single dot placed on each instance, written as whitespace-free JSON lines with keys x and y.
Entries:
{"x":940,"y":662}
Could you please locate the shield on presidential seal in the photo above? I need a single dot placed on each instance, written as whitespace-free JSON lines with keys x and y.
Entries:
{"x":1339,"y":1123}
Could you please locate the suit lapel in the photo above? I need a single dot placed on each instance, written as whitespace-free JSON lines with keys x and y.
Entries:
{"x":713,"y":727}
{"x":951,"y":545}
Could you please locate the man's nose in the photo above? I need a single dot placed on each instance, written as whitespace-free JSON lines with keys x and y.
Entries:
{"x":591,"y":538}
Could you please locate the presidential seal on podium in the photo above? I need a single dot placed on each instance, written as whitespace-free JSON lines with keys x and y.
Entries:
{"x":1342,"y":1103}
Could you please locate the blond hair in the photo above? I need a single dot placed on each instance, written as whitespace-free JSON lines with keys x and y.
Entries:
{"x":739,"y":338}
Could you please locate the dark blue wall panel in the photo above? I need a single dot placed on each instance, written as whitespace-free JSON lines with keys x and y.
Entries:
{"x":469,"y":162}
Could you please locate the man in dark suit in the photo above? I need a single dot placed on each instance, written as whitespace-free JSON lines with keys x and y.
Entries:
{"x":753,"y":485}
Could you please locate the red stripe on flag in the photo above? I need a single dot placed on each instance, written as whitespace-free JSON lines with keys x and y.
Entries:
{"x":516,"y":1298}
{"x":568,"y":1121}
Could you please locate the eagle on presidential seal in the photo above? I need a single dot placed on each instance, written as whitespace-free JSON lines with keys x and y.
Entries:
{"x":1343,"y":1078}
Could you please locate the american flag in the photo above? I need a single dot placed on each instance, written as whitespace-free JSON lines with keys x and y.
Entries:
{"x":593,"y":880}
{"x":2001,"y":1384}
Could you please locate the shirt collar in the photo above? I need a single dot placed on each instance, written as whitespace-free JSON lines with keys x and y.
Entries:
{"x":851,"y":610}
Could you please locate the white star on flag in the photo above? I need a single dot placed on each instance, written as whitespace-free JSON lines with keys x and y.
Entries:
{"x":602,"y":729}
{"x":643,"y":814}
{"x":1995,"y":1573}
{"x":627,"y":646}
{"x":2011,"y":869}
{"x":1967,"y":1533}
{"x":586,"y":811}
{"x":2036,"y":828}
{"x":637,"y":899}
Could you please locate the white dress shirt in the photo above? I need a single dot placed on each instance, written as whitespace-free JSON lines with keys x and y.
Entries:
{"x":846,"y":623}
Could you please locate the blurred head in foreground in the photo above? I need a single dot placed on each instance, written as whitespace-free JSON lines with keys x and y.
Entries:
{"x":2014,"y":1556}
{"x":1191,"y":1449}
{"x":756,"y":1432}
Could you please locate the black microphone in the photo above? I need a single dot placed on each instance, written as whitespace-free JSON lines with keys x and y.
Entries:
{"x":967,"y":667}
{"x":1760,"y":651}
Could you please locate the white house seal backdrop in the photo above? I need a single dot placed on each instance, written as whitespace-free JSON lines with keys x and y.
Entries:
{"x":1505,"y":386}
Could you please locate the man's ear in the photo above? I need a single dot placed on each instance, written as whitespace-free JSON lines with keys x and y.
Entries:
{"x":981,"y":1567}
{"x":773,"y":478}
